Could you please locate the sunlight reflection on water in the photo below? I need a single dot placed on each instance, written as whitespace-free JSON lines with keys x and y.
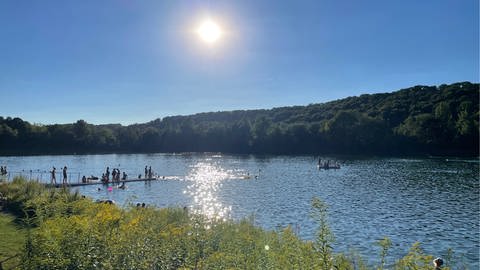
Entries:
{"x":206,"y":180}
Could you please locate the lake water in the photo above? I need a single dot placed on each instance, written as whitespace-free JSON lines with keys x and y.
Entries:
{"x":433,"y":201}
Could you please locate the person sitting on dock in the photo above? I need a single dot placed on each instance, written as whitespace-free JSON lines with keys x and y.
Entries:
{"x":92,"y":178}
{"x":104,"y":178}
{"x":53,"y":179}
{"x":65,"y":175}
{"x":114,"y":175}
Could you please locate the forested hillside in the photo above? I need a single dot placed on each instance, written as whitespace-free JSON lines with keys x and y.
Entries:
{"x":419,"y":120}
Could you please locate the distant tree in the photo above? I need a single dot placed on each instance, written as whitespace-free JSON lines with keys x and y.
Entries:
{"x":416,"y":120}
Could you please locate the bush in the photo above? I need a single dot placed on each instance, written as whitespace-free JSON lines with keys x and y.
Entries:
{"x":70,"y":232}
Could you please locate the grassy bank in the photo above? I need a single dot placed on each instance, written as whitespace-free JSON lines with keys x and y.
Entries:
{"x":67,"y":231}
{"x":12,"y":241}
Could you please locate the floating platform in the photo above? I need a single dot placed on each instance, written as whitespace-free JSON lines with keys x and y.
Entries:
{"x":98,"y":182}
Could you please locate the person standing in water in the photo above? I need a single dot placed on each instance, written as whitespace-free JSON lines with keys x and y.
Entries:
{"x":54,"y":179}
{"x":65,"y":175}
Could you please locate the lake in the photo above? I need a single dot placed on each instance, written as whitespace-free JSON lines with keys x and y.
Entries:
{"x":434,"y":201}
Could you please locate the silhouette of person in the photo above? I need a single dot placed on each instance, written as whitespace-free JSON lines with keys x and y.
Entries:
{"x":54,"y":179}
{"x":65,"y":174}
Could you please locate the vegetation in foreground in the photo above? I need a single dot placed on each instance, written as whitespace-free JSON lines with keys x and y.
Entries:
{"x":63,"y":230}
{"x":12,"y":241}
{"x":419,"y":120}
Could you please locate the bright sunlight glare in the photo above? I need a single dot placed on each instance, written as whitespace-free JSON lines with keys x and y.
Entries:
{"x":209,"y":31}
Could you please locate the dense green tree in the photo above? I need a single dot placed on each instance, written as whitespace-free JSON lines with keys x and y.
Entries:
{"x":416,"y":120}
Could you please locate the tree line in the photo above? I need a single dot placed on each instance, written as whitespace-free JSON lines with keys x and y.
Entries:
{"x":434,"y":120}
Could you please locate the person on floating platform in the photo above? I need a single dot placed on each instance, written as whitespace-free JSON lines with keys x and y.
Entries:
{"x":53,"y":179}
{"x":104,"y":178}
{"x":114,"y":175}
{"x":146,"y":172}
{"x":124,"y":177}
{"x":84,"y":179}
{"x":150,"y":174}
{"x":107,"y":174}
{"x":65,"y":180}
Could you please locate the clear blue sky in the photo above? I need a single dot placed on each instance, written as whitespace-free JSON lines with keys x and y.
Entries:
{"x":125,"y":61}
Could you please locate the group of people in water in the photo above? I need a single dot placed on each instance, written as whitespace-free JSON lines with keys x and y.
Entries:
{"x":139,"y":205}
{"x":3,"y":170}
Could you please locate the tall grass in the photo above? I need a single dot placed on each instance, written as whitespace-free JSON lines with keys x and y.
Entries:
{"x":67,"y":231}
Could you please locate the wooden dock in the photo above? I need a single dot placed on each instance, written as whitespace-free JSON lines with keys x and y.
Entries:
{"x":98,"y":182}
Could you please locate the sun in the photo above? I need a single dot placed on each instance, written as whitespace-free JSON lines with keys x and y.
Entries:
{"x":209,"y":31}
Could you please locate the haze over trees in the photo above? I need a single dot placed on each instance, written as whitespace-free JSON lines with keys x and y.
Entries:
{"x":433,"y":120}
